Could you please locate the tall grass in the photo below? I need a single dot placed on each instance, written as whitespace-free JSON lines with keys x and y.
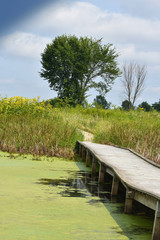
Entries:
{"x":136,"y":129}
{"x":30,"y":126}
{"x":27,"y":126}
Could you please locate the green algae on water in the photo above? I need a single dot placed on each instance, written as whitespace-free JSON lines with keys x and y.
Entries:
{"x":48,"y":200}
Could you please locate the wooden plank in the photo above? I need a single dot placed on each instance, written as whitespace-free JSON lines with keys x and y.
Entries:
{"x":135,"y":172}
{"x":140,"y":177}
{"x":145,"y":199}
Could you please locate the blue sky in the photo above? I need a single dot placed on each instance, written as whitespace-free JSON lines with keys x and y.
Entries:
{"x":133,"y":27}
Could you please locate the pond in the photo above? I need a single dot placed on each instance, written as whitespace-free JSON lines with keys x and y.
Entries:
{"x":54,"y":199}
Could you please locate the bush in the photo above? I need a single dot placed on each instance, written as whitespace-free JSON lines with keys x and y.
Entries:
{"x":145,"y":106}
{"x":156,"y":106}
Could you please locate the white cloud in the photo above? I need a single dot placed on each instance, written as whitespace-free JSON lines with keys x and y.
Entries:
{"x":82,"y":18}
{"x":129,"y":52}
{"x":24,"y":44}
{"x":73,"y":17}
{"x":134,"y":37}
{"x":137,"y":38}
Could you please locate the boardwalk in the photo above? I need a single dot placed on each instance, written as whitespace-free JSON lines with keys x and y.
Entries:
{"x":140,"y":178}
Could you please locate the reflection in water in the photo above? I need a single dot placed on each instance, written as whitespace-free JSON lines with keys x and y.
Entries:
{"x":83,"y":185}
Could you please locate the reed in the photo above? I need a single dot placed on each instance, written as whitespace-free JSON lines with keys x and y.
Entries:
{"x":27,"y":126}
{"x":30,"y":126}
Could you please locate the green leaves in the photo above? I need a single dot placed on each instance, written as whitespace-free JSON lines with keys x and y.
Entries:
{"x":71,"y":64}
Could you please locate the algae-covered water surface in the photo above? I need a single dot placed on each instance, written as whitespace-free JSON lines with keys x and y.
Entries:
{"x":52,"y":199}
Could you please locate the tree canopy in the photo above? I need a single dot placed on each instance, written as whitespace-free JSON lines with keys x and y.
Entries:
{"x":102,"y":102}
{"x":73,"y":65}
{"x":146,"y":106}
{"x":126,"y":105}
{"x":156,"y":106}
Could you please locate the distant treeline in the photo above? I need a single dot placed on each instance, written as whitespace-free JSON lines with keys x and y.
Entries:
{"x":103,"y":103}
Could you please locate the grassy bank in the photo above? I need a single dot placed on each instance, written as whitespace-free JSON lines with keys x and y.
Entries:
{"x":28,"y":126}
{"x":136,"y":129}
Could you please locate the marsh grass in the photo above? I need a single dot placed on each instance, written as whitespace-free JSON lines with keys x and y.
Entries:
{"x":28,"y":126}
{"x":137,"y":130}
{"x":31,"y":127}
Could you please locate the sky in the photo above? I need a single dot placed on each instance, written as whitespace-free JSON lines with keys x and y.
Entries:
{"x":133,"y":27}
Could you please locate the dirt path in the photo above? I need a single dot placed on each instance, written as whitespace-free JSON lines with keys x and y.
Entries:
{"x":88,"y":137}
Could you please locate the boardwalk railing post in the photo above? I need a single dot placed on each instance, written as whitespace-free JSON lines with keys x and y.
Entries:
{"x":88,"y":158}
{"x":156,"y":226}
{"x":94,"y":165}
{"x":129,"y":201}
{"x":102,"y":171}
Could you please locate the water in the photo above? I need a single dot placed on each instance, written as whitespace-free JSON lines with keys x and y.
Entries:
{"x":58,"y":199}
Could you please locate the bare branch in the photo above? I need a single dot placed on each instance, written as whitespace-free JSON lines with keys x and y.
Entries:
{"x":140,"y":74}
{"x":133,"y":81}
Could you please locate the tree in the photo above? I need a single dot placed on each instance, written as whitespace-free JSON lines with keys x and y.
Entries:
{"x":133,"y":81}
{"x":156,"y":106}
{"x":126,"y":105}
{"x":145,"y":106}
{"x":71,"y":65}
{"x":101,"y":101}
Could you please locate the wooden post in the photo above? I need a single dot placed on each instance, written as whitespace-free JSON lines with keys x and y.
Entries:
{"x":83,"y":153}
{"x":88,"y":159}
{"x":80,"y":149}
{"x":94,"y":165}
{"x":115,"y":185}
{"x":129,"y":201}
{"x":102,"y":171}
{"x":156,"y":226}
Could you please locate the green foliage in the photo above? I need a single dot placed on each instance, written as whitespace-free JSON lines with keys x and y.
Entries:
{"x":145,"y":106}
{"x":101,"y":101}
{"x":136,"y":129}
{"x":71,"y":64}
{"x":29,"y":126}
{"x":156,"y":106}
{"x":20,"y":105}
{"x":59,"y":102}
{"x":126,"y":105}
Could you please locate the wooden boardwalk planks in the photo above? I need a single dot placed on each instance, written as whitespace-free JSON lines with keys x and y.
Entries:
{"x":138,"y":175}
